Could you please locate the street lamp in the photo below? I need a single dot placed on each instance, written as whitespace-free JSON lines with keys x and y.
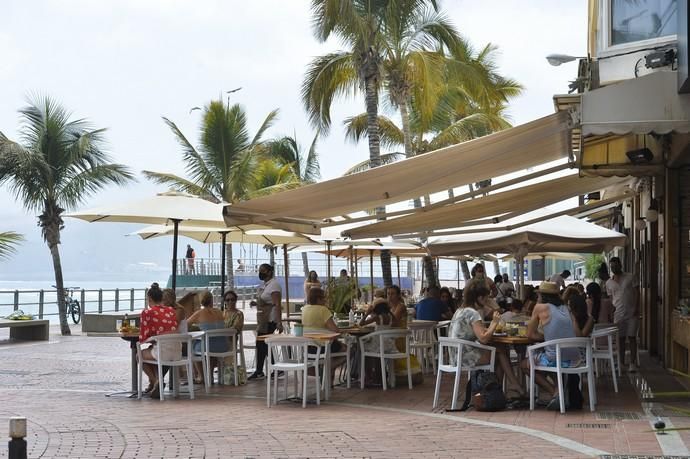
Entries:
{"x":558,"y":59}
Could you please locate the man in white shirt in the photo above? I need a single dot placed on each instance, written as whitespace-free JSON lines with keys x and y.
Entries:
{"x":268,"y":314}
{"x":559,"y":279}
{"x":622,"y":289}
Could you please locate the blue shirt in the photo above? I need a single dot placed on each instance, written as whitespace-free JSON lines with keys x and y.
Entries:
{"x":430,"y":309}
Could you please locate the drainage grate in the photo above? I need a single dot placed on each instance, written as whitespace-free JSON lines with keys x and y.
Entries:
{"x":667,"y":412}
{"x":618,"y":456}
{"x":588,"y":426}
{"x":619,"y":416}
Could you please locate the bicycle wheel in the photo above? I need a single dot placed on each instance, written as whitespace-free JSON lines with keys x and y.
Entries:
{"x":75,"y":310}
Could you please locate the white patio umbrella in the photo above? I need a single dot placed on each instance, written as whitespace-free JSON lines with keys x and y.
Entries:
{"x":560,"y":234}
{"x":161,"y":209}
{"x":252,"y":234}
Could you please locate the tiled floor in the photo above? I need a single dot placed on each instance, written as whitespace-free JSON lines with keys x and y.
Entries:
{"x":60,"y":387}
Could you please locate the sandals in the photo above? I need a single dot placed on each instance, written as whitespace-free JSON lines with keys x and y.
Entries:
{"x":149,"y":388}
{"x":155,"y":392}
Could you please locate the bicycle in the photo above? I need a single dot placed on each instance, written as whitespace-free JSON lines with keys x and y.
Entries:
{"x":72,"y":306}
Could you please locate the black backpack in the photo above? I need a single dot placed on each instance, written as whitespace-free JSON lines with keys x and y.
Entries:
{"x":485,"y":392}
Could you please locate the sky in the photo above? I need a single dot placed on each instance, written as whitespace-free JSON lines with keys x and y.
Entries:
{"x":124,"y":64}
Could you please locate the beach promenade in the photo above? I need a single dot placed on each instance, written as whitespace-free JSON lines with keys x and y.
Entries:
{"x":60,"y":387}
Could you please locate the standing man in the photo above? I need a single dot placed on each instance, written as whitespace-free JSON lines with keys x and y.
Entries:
{"x":190,"y":259}
{"x":559,"y":279}
{"x":622,"y":289}
{"x":268,"y":314}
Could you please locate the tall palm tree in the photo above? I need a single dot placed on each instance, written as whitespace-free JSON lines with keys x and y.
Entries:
{"x":369,"y":29}
{"x":470,"y":101}
{"x":8,"y":242}
{"x":306,"y":168}
{"x":55,"y":166}
{"x":224,"y":165}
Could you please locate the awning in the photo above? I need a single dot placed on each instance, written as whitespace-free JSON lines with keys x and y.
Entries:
{"x":499,"y":206}
{"x":643,"y":105}
{"x":538,"y":142}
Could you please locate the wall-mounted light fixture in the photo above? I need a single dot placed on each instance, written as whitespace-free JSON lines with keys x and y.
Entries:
{"x":652,"y":214}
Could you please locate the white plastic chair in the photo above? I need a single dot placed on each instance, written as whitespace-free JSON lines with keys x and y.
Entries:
{"x":424,"y":343}
{"x":168,"y":352}
{"x":381,"y":336}
{"x":586,"y":367}
{"x":606,"y":352}
{"x":296,"y":361}
{"x":616,"y":354}
{"x":454,"y":348}
{"x":230,"y":334}
{"x":327,"y":356}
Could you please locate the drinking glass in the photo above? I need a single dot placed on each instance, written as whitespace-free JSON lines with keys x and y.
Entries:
{"x":118,"y":324}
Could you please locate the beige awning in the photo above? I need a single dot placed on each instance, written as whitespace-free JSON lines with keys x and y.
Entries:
{"x":643,"y":105}
{"x":538,"y":142}
{"x":498,"y":206}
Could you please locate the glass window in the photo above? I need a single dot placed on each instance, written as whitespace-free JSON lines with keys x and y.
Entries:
{"x":635,"y":20}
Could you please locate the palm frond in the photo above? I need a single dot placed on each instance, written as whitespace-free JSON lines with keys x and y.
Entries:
{"x":8,"y":243}
{"x":267,"y":123}
{"x":328,"y":77}
{"x":390,"y":135}
{"x":312,"y":168}
{"x":364,"y":165}
{"x":181,"y":184}
{"x":80,"y":184}
{"x":194,"y":163}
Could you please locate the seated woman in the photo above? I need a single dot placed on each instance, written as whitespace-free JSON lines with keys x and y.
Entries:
{"x":312,"y":281}
{"x":208,"y":318}
{"x":156,"y":319}
{"x":233,"y":317}
{"x":584,"y":321}
{"x":381,"y":316}
{"x":316,"y":317}
{"x":467,"y":324}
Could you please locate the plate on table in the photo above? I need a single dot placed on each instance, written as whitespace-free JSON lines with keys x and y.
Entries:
{"x":500,"y":334}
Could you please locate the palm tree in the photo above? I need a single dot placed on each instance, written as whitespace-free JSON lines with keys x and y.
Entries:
{"x":224,"y":166}
{"x":370,"y":30}
{"x":57,"y":164}
{"x":306,"y":169}
{"x":8,"y":242}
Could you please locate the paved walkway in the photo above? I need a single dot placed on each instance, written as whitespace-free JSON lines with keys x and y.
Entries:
{"x":60,"y":387}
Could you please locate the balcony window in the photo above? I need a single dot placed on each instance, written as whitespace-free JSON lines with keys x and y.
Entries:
{"x":638,"y":20}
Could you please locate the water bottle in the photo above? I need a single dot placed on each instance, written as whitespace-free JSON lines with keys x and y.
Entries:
{"x":351,"y":317}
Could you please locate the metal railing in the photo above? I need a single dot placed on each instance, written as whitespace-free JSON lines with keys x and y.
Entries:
{"x":212,"y":266}
{"x":43,"y":303}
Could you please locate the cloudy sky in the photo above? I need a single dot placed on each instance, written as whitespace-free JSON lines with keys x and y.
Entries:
{"x":123,"y":64}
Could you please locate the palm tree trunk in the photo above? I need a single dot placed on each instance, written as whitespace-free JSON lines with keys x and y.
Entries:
{"x":430,"y":272}
{"x":229,"y":271}
{"x":305,"y":264}
{"x":496,"y":267}
{"x":372,"y":101}
{"x":272,"y":255}
{"x":465,"y":270}
{"x":52,"y":234}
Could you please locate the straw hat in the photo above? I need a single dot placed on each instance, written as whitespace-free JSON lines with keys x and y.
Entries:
{"x":550,"y":288}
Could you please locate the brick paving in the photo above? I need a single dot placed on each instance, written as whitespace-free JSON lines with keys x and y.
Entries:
{"x":60,"y":386}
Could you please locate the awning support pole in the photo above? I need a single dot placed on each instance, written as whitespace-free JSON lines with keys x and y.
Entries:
{"x":287,"y":278}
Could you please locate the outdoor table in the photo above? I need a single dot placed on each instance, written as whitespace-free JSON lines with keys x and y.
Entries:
{"x":356,"y":330}
{"x":417,"y":324}
{"x":511,"y":340}
{"x":133,"y":340}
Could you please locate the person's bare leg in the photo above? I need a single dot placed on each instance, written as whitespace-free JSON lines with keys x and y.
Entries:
{"x":539,"y":378}
{"x":633,"y":350}
{"x":507,"y":370}
{"x":621,"y":349}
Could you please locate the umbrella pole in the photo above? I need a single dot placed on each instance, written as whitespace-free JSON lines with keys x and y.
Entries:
{"x":458,"y":274}
{"x":176,"y":227}
{"x":328,"y":261}
{"x":223,"y":236}
{"x":397,"y":261}
{"x":287,"y":278}
{"x":371,"y":272}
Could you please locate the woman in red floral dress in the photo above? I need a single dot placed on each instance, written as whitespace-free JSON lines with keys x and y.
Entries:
{"x":156,"y":319}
